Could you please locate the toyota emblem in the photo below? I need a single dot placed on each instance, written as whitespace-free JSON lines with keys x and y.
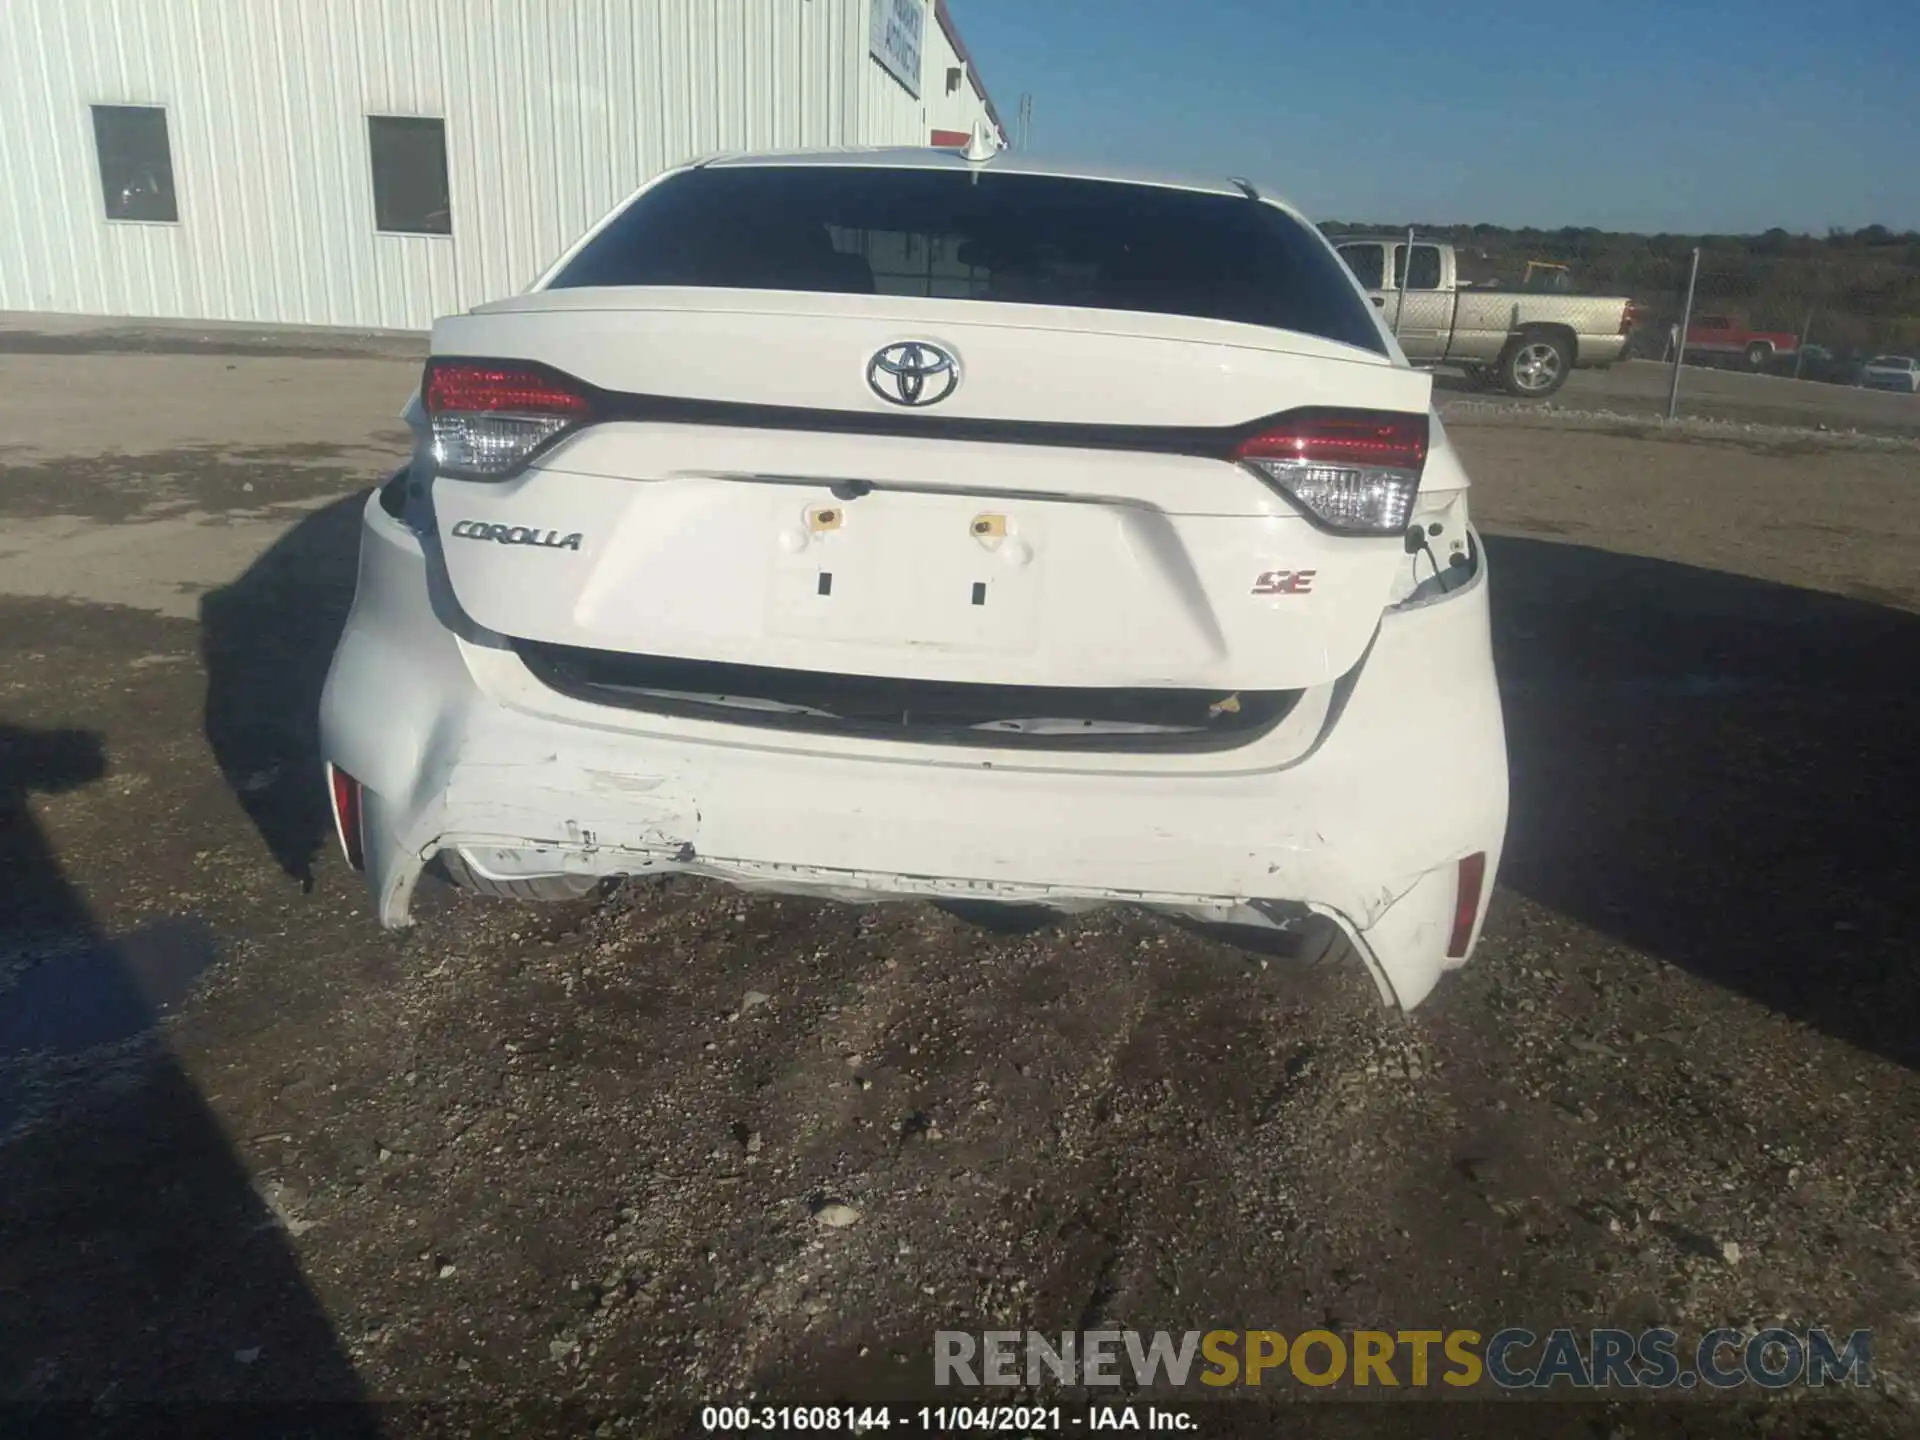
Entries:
{"x":913,"y":373}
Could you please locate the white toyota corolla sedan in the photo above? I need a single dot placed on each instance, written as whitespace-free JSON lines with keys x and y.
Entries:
{"x":934,"y":524}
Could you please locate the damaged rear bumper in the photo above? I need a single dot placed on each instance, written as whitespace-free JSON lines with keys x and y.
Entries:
{"x":1362,"y":816}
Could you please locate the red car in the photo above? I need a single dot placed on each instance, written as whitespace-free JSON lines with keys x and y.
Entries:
{"x":1726,"y":338}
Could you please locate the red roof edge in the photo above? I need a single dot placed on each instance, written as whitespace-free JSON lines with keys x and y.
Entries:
{"x":952,"y":32}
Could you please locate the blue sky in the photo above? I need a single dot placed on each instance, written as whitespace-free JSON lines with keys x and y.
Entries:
{"x":1680,"y":115}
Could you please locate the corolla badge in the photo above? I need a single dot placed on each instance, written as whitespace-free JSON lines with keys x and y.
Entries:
{"x":913,"y":372}
{"x":516,"y":535}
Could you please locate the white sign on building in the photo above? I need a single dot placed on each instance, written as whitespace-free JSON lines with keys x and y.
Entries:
{"x":894,"y":39}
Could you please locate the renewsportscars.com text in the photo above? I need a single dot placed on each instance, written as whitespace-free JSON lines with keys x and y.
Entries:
{"x":1509,"y":1359}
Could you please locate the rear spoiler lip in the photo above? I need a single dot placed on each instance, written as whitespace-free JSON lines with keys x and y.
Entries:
{"x":920,"y":311}
{"x":1213,"y":442}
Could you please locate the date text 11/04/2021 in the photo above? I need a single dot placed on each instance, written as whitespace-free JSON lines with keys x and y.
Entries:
{"x":945,"y":1419}
{"x":1510,"y":1360}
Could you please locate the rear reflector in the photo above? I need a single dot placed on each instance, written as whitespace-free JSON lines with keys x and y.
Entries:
{"x":347,"y":822}
{"x":1466,"y":903}
{"x":1352,"y":471}
{"x":489,"y":420}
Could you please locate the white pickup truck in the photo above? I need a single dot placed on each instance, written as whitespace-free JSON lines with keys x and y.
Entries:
{"x":1524,"y":341}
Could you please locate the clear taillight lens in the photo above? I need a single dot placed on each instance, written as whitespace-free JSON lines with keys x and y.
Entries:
{"x":1354,"y":471}
{"x":490,"y":420}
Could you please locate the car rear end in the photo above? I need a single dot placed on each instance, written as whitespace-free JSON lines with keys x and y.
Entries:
{"x":888,"y":529}
{"x":1892,"y":372}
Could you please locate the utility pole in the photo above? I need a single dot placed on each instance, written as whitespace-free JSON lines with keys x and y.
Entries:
{"x":1686,"y":323}
{"x":1406,"y":273}
{"x":1025,"y":115}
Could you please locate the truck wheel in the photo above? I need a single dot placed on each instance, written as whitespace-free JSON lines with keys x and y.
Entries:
{"x":1535,"y":364}
{"x":1758,"y":354}
{"x":545,"y":888}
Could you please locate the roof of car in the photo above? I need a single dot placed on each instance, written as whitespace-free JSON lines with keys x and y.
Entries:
{"x":1006,"y":162}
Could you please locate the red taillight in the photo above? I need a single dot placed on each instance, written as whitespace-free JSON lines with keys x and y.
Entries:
{"x":1399,"y":441}
{"x":1466,"y":903}
{"x":1353,"y":470}
{"x":1629,"y":318}
{"x":489,"y":420}
{"x":458,"y":385}
{"x":347,"y":821}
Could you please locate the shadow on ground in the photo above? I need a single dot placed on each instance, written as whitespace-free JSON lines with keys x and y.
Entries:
{"x":137,"y":1263}
{"x":1721,"y":772}
{"x":267,"y":640}
{"x":1456,"y":382}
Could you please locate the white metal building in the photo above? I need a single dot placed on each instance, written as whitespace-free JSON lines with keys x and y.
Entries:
{"x":376,"y":163}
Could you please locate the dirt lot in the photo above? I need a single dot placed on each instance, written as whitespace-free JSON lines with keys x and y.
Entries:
{"x":257,"y":1150}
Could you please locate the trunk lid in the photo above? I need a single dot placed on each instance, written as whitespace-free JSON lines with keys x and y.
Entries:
{"x":746,"y":494}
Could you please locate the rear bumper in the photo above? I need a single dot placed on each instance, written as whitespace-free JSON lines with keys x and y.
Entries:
{"x":1365,"y":822}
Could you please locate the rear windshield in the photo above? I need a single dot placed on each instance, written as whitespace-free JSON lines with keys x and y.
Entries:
{"x":1030,"y":239}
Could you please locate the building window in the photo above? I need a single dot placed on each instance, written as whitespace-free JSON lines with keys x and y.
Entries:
{"x":136,"y":165}
{"x":409,"y":175}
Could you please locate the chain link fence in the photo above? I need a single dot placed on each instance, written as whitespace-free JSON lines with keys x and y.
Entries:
{"x":1816,"y":309}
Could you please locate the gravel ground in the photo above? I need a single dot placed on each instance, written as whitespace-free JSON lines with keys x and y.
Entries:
{"x":257,"y":1150}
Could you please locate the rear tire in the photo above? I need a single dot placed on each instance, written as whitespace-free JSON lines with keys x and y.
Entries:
{"x":1758,"y":354}
{"x":544,"y":889}
{"x":1316,"y":941}
{"x":1535,"y":364}
{"x":1324,"y":944}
